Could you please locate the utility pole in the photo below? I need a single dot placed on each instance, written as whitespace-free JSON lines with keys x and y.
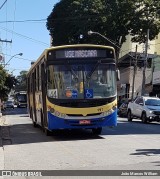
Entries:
{"x":134,"y":72}
{"x":7,"y":41}
{"x":145,"y":65}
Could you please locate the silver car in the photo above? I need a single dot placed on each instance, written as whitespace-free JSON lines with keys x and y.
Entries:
{"x":146,"y":108}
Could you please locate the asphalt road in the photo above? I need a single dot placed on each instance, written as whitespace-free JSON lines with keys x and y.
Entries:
{"x":129,"y":146}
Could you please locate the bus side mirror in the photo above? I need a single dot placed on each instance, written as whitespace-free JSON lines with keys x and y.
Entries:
{"x":118,"y":74}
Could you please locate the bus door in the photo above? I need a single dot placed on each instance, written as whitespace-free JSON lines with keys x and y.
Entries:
{"x":34,"y":98}
{"x":44,"y":108}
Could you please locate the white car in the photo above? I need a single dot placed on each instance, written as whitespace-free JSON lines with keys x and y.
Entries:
{"x":144,"y":107}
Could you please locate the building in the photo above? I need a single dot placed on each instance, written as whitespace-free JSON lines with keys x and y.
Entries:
{"x":156,"y":76}
{"x":126,"y":65}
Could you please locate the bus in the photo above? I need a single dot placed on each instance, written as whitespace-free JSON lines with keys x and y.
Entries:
{"x":61,"y":92}
{"x":20,"y":99}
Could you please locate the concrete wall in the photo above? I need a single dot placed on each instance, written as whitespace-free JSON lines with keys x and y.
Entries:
{"x":126,"y":75}
{"x":128,"y":46}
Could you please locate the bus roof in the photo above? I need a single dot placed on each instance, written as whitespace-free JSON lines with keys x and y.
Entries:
{"x":65,"y":46}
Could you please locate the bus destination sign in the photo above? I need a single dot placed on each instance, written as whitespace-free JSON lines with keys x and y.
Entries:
{"x":81,"y":53}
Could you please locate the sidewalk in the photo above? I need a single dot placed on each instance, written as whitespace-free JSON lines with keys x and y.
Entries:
{"x":2,"y":122}
{"x":5,"y":138}
{"x":0,"y":137}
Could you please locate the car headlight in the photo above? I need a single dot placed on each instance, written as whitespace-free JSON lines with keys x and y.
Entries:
{"x":151,"y":112}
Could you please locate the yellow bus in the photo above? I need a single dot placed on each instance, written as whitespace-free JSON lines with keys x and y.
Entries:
{"x":72,"y":87}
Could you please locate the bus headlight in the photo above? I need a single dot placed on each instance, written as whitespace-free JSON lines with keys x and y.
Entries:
{"x":58,"y":114}
{"x":107,"y":113}
{"x":51,"y":110}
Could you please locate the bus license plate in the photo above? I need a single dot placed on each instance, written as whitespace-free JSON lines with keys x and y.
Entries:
{"x":84,"y":122}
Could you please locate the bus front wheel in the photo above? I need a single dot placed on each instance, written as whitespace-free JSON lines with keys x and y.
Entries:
{"x":97,"y":131}
{"x":34,"y":124}
{"x":47,"y":132}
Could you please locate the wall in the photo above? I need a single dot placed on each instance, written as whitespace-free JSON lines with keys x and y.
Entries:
{"x":128,"y":46}
{"x":126,"y":75}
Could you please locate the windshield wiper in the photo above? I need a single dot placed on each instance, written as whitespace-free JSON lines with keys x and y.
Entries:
{"x":92,"y":71}
{"x":72,"y":72}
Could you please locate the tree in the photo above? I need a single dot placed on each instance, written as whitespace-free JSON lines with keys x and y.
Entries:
{"x":21,"y":81}
{"x":7,"y":81}
{"x":114,"y":19}
{"x":147,"y":16}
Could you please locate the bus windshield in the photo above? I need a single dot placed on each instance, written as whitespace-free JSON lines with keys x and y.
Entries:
{"x":81,"y":81}
{"x":22,"y":97}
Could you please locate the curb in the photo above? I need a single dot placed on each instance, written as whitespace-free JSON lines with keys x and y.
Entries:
{"x":0,"y":137}
{"x":2,"y":121}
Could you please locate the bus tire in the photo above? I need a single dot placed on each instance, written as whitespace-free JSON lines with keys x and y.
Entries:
{"x":97,"y":131}
{"x":47,"y":132}
{"x":144,"y":118}
{"x":34,"y":124}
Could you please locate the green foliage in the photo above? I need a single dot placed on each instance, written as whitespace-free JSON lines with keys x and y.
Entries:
{"x":7,"y":82}
{"x":146,"y":17}
{"x":21,"y":81}
{"x":2,"y":77}
{"x":114,"y":19}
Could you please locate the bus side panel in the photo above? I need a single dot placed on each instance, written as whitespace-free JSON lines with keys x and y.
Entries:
{"x":55,"y":122}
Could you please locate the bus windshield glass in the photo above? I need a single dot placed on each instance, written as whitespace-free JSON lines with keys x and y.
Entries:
{"x":81,"y":81}
{"x":22,"y":97}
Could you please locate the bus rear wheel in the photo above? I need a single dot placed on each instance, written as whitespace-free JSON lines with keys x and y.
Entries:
{"x":97,"y":131}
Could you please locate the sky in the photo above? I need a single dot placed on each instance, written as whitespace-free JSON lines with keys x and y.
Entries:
{"x":24,"y":23}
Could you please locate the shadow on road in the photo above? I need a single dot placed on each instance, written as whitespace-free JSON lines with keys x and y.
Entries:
{"x":26,"y":133}
{"x":132,"y":128}
{"x":147,"y":152}
{"x":14,"y":111}
{"x":157,"y":163}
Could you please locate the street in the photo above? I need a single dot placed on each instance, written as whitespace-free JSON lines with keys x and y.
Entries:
{"x":129,"y":146}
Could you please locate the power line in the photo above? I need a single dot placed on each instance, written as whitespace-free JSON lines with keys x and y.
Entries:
{"x":3,"y":4}
{"x":37,"y":41}
{"x":36,"y":20}
{"x":13,"y":18}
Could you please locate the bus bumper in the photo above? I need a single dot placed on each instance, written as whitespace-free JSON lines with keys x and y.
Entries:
{"x":55,"y":122}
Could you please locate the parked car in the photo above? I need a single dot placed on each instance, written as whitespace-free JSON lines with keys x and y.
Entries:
{"x":122,"y":110}
{"x":145,"y":108}
{"x":123,"y":107}
{"x":9,"y":104}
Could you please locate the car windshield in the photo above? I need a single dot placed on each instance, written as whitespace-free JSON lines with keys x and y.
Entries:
{"x":81,"y":81}
{"x":152,"y":102}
